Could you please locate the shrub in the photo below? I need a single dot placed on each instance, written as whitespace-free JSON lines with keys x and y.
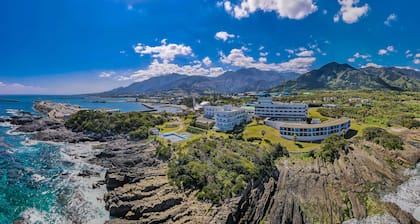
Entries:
{"x":220,"y":168}
{"x":89,"y":121}
{"x":382,"y":137}
{"x":332,"y":147}
{"x":139,"y":134}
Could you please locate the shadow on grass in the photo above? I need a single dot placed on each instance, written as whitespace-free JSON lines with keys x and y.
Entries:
{"x":350,"y":134}
{"x":299,"y":145}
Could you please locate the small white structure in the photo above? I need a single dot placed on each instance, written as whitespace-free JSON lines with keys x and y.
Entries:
{"x":287,"y":111}
{"x":229,"y":117}
{"x":330,"y":106}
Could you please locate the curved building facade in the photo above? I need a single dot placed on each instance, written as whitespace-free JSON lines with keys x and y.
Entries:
{"x":310,"y":132}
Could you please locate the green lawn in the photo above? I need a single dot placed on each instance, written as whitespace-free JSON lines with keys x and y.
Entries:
{"x":254,"y":130}
{"x":313,"y":113}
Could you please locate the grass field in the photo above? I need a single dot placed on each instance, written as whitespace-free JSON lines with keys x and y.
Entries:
{"x":273,"y":135}
{"x":313,"y":113}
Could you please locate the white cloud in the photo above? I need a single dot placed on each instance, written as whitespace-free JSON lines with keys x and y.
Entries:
{"x":166,"y":52}
{"x":106,"y":74}
{"x":363,"y":56}
{"x":292,"y":9}
{"x":386,"y":51}
{"x":382,"y":52}
{"x":262,"y":59}
{"x":157,"y":68}
{"x":278,"y":54}
{"x":17,"y":88}
{"x":263,"y":54}
{"x":351,"y":60}
{"x":290,"y":51}
{"x":238,"y":58}
{"x":207,"y":61}
{"x":416,"y":61}
{"x":228,"y":6}
{"x":222,"y":35}
{"x":407,"y":67}
{"x":372,"y":65}
{"x":336,"y":18}
{"x":325,"y":12}
{"x":417,"y":55}
{"x":390,"y":18}
{"x":305,"y":53}
{"x":349,"y":12}
{"x":408,"y":54}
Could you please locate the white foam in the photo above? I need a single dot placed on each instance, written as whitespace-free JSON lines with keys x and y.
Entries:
{"x":37,"y":178}
{"x":375,"y":219}
{"x":407,"y":196}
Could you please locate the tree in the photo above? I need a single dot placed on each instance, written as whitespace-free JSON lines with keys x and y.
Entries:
{"x":294,"y":138}
{"x":263,"y":133}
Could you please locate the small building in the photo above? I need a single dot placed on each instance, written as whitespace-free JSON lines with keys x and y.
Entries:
{"x":229,"y":117}
{"x":330,"y":106}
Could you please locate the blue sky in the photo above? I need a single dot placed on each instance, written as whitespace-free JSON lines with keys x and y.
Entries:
{"x":79,"y":46}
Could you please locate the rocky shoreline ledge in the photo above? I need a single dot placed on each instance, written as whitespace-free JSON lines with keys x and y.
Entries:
{"x":297,"y":191}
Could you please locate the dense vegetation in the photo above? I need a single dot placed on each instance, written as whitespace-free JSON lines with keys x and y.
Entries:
{"x":219,"y":168}
{"x":332,"y":147}
{"x":136,"y":124}
{"x":383,"y":138}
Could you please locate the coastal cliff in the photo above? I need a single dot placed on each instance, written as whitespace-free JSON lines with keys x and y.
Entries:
{"x":298,"y":189}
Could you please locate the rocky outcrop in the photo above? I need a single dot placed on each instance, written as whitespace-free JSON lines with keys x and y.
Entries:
{"x":312,"y":191}
{"x":38,"y":125}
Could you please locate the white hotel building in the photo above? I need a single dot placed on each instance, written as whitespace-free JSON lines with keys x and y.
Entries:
{"x":226,"y":117}
{"x":282,"y":111}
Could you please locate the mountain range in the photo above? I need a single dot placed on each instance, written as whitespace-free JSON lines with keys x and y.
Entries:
{"x":332,"y":76}
{"x":335,"y":76}
{"x":242,"y":80}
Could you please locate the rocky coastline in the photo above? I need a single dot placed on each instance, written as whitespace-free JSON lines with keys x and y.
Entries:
{"x":297,"y":191}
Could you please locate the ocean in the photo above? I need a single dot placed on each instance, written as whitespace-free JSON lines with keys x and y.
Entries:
{"x":40,"y":181}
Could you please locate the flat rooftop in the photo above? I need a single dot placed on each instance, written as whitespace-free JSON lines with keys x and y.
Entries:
{"x":321,"y":125}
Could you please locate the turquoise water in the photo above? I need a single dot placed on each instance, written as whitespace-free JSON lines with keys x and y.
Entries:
{"x":34,"y":178}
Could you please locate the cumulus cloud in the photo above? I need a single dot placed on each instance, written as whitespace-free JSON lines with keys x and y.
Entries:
{"x":372,"y":65}
{"x":386,"y":51}
{"x":390,"y":18}
{"x":416,"y":61}
{"x":349,"y":12}
{"x":291,"y":9}
{"x":222,"y":35}
{"x":157,"y":68}
{"x":237,"y":58}
{"x":351,"y":60}
{"x":207,"y":61}
{"x":166,"y":52}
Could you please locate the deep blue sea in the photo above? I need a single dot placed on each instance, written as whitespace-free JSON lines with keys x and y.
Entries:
{"x":38,"y":180}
